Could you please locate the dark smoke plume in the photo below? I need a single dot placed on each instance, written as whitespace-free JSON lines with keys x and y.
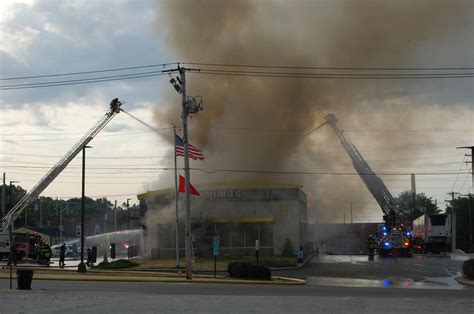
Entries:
{"x":316,"y":33}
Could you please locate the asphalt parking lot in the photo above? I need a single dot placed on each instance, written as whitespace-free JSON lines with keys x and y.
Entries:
{"x":418,"y":269}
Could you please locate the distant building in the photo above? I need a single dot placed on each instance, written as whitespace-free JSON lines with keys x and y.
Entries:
{"x":239,"y":213}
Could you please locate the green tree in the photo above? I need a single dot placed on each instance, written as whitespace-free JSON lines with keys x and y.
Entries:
{"x":424,"y":204}
{"x":50,"y":207}
{"x":464,"y":209}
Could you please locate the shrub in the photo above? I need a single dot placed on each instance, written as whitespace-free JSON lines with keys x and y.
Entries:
{"x":468,"y":268}
{"x":248,"y":271}
{"x":118,"y":264}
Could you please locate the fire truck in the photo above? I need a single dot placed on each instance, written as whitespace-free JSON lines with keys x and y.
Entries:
{"x":394,"y":237}
{"x":23,"y":243}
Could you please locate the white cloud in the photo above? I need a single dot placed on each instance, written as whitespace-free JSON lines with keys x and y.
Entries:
{"x":16,"y":40}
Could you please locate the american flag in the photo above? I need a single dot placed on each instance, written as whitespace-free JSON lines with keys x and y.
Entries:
{"x":194,"y":153}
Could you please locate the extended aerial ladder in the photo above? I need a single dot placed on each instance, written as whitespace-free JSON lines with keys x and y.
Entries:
{"x":30,"y":197}
{"x":393,"y":235}
{"x":373,"y":183}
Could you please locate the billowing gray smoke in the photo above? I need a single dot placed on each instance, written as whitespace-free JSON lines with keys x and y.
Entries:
{"x":317,"y":33}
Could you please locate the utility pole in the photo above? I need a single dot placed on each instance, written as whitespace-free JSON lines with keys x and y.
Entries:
{"x":472,"y":164}
{"x":470,"y":222}
{"x":40,"y":208}
{"x":187,"y":219}
{"x":60,"y":209}
{"x":81,"y":268}
{"x":352,"y":221}
{"x":3,"y":196}
{"x":128,"y":213}
{"x":472,"y":191}
{"x":189,"y":106}
{"x":453,"y":223}
{"x":115,"y":216}
{"x":176,"y":197}
{"x":413,"y":192}
{"x":11,"y":195}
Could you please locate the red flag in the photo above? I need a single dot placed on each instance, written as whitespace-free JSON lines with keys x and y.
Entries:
{"x":182,"y":187}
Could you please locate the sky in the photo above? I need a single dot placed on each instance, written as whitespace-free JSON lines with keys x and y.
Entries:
{"x":39,"y":125}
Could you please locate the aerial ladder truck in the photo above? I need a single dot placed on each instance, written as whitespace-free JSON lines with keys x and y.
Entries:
{"x":9,"y":219}
{"x":393,"y":237}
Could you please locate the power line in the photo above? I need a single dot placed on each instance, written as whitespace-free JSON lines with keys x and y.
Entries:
{"x":318,"y":173}
{"x":239,"y":73}
{"x":456,"y":68}
{"x":256,"y":171}
{"x":89,"y":72}
{"x":465,"y":180}
{"x":74,"y":138}
{"x":332,"y":75}
{"x":462,"y":163}
{"x":91,"y":196}
{"x":329,"y":68}
{"x":307,"y":130}
{"x":162,"y":156}
{"x":81,"y":81}
{"x":103,"y":157}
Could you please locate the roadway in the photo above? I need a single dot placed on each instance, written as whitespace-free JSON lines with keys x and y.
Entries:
{"x":61,"y":296}
{"x":335,"y":284}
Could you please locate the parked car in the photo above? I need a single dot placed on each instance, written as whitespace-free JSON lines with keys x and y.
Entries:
{"x":57,"y":249}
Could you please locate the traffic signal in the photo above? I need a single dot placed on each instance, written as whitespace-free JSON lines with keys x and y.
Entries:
{"x":112,"y":250}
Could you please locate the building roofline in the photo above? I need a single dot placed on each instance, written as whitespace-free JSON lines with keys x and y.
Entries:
{"x":224,"y":185}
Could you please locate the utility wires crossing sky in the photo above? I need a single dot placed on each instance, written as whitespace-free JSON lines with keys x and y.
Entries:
{"x":253,"y":70}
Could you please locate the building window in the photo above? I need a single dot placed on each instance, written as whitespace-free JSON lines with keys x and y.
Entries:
{"x":96,"y":229}
{"x":238,"y":235}
{"x":266,"y":234}
{"x":225,"y":232}
{"x":251,"y":234}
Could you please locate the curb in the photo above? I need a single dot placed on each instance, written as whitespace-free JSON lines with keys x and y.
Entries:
{"x":465,"y":281}
{"x":295,"y":267}
{"x":98,"y":278}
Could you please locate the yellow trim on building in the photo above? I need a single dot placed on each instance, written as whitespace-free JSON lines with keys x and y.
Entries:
{"x":224,"y":185}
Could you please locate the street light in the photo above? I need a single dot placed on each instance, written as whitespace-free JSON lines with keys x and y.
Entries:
{"x":61,"y":227}
{"x":128,"y":213}
{"x":11,"y":192}
{"x":81,"y":268}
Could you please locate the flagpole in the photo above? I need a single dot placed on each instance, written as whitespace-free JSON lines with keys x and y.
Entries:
{"x":176,"y":196}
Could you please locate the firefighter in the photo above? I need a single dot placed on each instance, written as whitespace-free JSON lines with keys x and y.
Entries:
{"x":44,"y":253}
{"x":62,"y":255}
{"x":371,"y":246}
{"x":89,"y":258}
{"x":47,"y":253}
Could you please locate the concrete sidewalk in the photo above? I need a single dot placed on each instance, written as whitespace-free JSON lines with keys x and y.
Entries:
{"x":136,"y":276}
{"x":465,"y":281}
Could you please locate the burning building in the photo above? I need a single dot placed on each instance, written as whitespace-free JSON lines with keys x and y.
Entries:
{"x":240,"y":213}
